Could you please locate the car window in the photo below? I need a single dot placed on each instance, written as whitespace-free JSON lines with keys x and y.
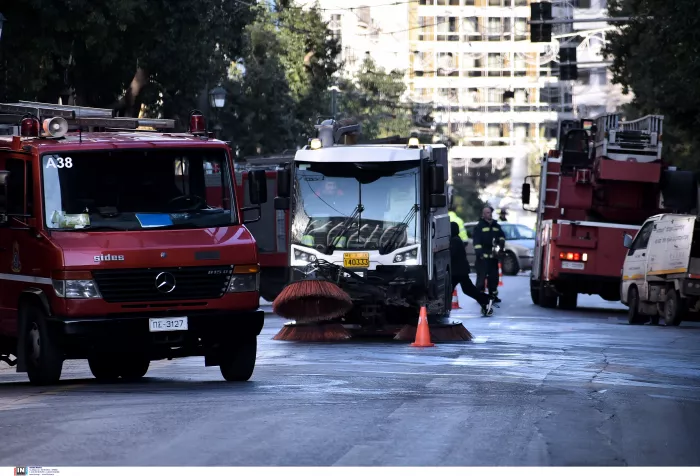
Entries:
{"x":510,"y":232}
{"x":526,"y":233}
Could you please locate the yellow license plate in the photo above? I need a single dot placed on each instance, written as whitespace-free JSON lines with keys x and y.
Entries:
{"x":356,"y":260}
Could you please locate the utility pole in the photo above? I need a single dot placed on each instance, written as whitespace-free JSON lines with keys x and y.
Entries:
{"x":334,"y":100}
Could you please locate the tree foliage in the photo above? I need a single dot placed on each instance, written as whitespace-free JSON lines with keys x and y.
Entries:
{"x":659,"y":61}
{"x":94,"y":48}
{"x":373,"y":99}
{"x":279,"y":88}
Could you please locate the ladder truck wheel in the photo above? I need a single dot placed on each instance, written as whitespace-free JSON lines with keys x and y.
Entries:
{"x":568,"y":301}
{"x":238,"y":359}
{"x":534,"y":292}
{"x":133,"y":366}
{"x":546,"y":299}
{"x":103,"y":367}
{"x":43,"y":354}
{"x":674,"y":308}
{"x":633,"y":314}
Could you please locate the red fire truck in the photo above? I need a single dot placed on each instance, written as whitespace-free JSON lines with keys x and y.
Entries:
{"x":271,"y":231}
{"x":122,"y":246}
{"x":603,"y":181}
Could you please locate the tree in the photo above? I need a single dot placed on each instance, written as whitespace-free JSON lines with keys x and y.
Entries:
{"x":657,"y":59}
{"x":95,"y":49}
{"x":374,"y":100}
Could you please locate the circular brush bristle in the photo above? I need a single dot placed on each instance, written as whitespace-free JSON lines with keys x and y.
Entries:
{"x":312,"y":300}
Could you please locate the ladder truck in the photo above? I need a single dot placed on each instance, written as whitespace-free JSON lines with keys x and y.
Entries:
{"x":603,"y":181}
{"x":271,"y":232}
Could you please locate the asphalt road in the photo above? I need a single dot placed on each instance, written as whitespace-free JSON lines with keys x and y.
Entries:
{"x":535,"y":387}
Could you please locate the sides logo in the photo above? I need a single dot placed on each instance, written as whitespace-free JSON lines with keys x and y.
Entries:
{"x":16,"y":263}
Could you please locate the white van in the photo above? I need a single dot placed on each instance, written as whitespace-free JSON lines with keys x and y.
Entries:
{"x":661,"y":273}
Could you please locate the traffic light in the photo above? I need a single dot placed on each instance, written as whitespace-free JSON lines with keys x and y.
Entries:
{"x":567,"y":64}
{"x":568,"y":72}
{"x":540,"y":33}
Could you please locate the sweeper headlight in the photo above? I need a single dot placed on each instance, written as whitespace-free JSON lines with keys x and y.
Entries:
{"x":302,"y":256}
{"x":245,"y":279}
{"x":407,"y":257}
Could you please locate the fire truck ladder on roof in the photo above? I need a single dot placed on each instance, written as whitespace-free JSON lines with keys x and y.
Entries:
{"x":79,"y":116}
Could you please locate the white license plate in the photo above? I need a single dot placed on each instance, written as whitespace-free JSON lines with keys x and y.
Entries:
{"x":572,"y":265}
{"x":167,"y":324}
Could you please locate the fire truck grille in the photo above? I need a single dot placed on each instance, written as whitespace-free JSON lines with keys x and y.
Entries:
{"x":162,"y":284}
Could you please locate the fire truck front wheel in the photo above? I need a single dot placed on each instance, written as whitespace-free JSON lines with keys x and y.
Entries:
{"x":237,"y":360}
{"x":43,"y":354}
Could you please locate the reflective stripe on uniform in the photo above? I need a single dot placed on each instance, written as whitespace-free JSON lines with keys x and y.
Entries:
{"x":486,"y":229}
{"x":477,"y":247}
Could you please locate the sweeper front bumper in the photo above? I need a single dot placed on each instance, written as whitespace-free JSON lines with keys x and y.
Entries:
{"x":390,"y":285}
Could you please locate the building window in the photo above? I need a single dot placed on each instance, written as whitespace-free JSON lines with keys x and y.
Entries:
{"x":447,"y":29}
{"x":335,"y":27}
{"x":426,"y":27}
{"x":494,"y":29}
{"x":470,"y":29}
{"x":364,"y":17}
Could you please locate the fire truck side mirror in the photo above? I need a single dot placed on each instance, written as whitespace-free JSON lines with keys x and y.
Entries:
{"x":257,"y":187}
{"x":4,"y":174}
{"x":437,"y":180}
{"x":284,"y":182}
{"x":526,"y":194}
{"x":627,"y":242}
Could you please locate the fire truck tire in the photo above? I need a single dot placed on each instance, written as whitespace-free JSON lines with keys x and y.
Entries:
{"x":633,"y":314}
{"x":673,"y":309}
{"x":568,"y":301}
{"x":238,"y":359}
{"x":534,"y":292}
{"x":510,"y":264}
{"x":43,"y":354}
{"x":103,"y":367}
{"x":133,"y":366}
{"x":546,"y":299}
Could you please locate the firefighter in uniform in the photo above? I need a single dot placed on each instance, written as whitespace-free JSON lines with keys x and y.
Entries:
{"x":487,"y":235}
{"x":456,"y":219}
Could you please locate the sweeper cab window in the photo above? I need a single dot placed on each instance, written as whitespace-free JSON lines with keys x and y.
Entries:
{"x":137,"y":190}
{"x":356,"y":206}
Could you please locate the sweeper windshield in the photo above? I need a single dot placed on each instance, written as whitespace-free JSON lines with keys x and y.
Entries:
{"x":352,"y":206}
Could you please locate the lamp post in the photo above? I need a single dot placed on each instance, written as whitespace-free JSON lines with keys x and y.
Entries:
{"x":217,"y":100}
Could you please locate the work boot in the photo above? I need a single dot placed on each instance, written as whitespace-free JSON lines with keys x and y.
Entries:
{"x":495,"y":299}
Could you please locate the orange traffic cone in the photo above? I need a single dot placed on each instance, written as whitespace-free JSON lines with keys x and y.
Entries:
{"x":423,"y":331}
{"x":455,"y":300}
{"x":500,"y":275}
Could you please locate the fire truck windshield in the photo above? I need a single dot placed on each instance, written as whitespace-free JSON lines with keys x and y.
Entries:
{"x":326,"y":194}
{"x":137,"y":189}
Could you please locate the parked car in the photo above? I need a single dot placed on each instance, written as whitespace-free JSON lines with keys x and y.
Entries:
{"x":520,"y":247}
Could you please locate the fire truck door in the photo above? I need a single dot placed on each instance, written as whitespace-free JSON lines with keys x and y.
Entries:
{"x":635,"y":266}
{"x":18,"y":253}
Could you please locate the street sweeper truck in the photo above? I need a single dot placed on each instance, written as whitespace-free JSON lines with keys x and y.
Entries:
{"x":369,"y":233}
{"x":604,"y":180}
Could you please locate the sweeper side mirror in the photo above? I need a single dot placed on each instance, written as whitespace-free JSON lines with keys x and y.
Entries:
{"x":257,"y":187}
{"x":284,"y":183}
{"x":437,"y":179}
{"x":627,"y":241}
{"x":526,"y":194}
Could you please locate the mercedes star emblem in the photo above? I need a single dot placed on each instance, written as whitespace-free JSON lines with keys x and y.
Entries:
{"x":165,"y":283}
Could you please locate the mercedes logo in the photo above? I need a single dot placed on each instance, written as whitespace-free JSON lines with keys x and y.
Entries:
{"x":165,"y":283}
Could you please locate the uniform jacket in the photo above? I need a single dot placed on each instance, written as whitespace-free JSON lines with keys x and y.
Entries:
{"x":485,"y":234}
{"x":460,"y":265}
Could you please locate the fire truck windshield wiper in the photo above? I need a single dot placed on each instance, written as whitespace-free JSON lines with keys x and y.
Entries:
{"x":346,"y":224}
{"x":388,"y":246}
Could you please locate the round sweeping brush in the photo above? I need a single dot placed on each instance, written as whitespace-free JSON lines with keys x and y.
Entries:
{"x":312,"y":300}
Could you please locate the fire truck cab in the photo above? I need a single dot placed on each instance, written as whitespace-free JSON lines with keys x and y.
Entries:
{"x":122,"y":246}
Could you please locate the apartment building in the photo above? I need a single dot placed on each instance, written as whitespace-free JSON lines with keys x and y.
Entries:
{"x":472,"y":65}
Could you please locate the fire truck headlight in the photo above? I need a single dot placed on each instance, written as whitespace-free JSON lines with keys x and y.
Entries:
{"x":245,"y":279}
{"x":76,"y":289}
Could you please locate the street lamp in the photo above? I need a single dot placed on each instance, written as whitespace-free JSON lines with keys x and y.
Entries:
{"x":217,"y":97}
{"x":2,"y":20}
{"x":217,"y":100}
